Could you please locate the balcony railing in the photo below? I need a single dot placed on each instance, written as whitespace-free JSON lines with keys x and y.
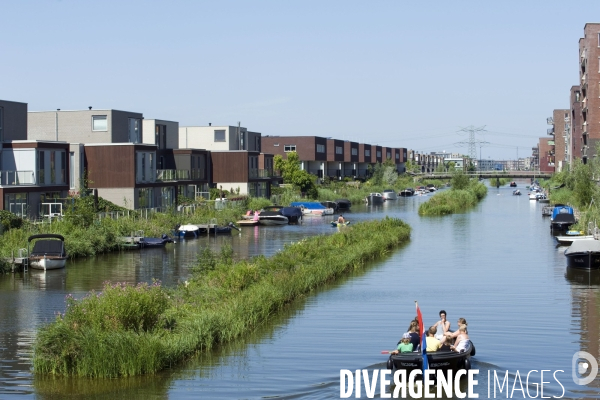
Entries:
{"x":17,"y":178}
{"x":163,"y":175}
{"x":550,"y":131}
{"x":550,"y":121}
{"x":263,"y":173}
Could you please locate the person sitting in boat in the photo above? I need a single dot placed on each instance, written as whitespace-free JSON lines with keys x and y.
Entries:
{"x":255,"y":216}
{"x":433,"y":344}
{"x":413,"y":331}
{"x":442,"y":326}
{"x":451,"y":336}
{"x":462,"y":340}
{"x":405,"y":346}
{"x":341,"y":219}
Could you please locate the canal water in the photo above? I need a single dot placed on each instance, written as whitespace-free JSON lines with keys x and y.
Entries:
{"x":497,"y":266}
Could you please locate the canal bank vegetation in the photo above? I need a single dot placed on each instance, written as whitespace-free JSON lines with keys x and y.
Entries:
{"x":464,"y":194}
{"x":578,"y":187}
{"x":133,"y":330}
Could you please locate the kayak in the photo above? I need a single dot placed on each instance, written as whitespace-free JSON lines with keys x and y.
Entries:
{"x":336,"y":224}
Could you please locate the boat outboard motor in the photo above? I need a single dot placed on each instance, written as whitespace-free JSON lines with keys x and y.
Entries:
{"x":231,"y":225}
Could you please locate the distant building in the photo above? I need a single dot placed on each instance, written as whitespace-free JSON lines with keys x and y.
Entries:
{"x":589,"y":81}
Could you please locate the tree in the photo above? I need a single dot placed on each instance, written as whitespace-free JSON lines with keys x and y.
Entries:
{"x":390,"y":176}
{"x":459,"y":181}
{"x":292,"y":174}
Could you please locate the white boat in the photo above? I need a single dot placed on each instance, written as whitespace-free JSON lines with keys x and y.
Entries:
{"x":375,"y":199}
{"x":48,"y":251}
{"x":533,"y":196}
{"x":390,"y":194}
{"x":188,"y":230}
{"x":272,"y":218}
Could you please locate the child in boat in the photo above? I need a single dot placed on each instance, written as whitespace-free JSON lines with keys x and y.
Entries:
{"x":405,"y":346}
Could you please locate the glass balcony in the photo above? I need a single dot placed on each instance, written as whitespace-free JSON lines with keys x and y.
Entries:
{"x":17,"y":178}
{"x":263,"y":173}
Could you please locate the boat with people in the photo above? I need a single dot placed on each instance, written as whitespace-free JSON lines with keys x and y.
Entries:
{"x":390,"y":194}
{"x":338,"y":224}
{"x":312,"y":208}
{"x":583,"y":254}
{"x":516,"y":192}
{"x":438,"y":361}
{"x":431,"y":187}
{"x":48,"y":251}
{"x":375,"y":199}
{"x":513,"y":184}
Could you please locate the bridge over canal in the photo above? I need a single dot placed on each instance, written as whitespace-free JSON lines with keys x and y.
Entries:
{"x":490,"y":174}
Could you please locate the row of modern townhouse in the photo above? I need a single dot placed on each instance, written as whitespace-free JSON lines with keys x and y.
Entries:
{"x":146,"y":163}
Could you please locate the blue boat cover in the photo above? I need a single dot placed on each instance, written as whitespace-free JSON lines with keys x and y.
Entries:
{"x":311,"y":205}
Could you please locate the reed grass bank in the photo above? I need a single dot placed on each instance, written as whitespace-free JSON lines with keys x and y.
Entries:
{"x":126,"y":331}
{"x":454,"y":200}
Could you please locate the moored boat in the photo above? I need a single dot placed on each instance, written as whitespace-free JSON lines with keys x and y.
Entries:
{"x":272,"y":218}
{"x":583,"y":254}
{"x":375,"y":199}
{"x":157,"y":242}
{"x":390,"y":194}
{"x":330,"y":204}
{"x":188,"y":230}
{"x":312,"y":208}
{"x":407,"y":192}
{"x":343,"y":204}
{"x":293,"y":214}
{"x":48,"y":251}
{"x":562,"y":222}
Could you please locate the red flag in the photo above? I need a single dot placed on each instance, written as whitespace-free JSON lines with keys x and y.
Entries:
{"x":420,"y":319}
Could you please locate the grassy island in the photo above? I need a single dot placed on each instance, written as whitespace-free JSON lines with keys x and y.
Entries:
{"x":132,"y":330}
{"x":464,"y":194}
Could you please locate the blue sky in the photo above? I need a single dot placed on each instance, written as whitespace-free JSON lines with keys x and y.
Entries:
{"x":392,"y":73}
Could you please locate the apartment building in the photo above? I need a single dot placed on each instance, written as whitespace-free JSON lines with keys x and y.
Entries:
{"x":111,"y":152}
{"x":32,"y":172}
{"x":575,"y":136}
{"x":589,"y":82}
{"x":219,"y":138}
{"x":560,"y":123}
{"x":312,"y":151}
{"x":546,"y":155}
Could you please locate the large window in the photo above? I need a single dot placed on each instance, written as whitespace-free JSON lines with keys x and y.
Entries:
{"x":99,"y":123}
{"x":320,"y":148}
{"x":145,"y":198}
{"x":41,"y":167}
{"x":289,"y":147}
{"x":1,"y":124}
{"x":220,"y":135}
{"x":16,"y":203}
{"x":389,"y":155}
{"x":339,"y":150}
{"x":160,"y":136}
{"x":52,"y":167}
{"x":135,"y":125}
{"x":72,"y":170}
{"x":367,"y":153}
{"x":354,"y":151}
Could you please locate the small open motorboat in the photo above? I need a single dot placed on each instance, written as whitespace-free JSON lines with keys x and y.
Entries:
{"x":439,"y":360}
{"x":562,"y":222}
{"x":293,"y":214}
{"x":188,"y":230}
{"x":583,"y":254}
{"x":516,"y":192}
{"x":48,"y":251}
{"x":513,"y":184}
{"x":343,"y":204}
{"x":407,"y":192}
{"x":157,"y":242}
{"x":312,"y":208}
{"x":390,"y":194}
{"x":272,"y":218}
{"x":375,"y":199}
